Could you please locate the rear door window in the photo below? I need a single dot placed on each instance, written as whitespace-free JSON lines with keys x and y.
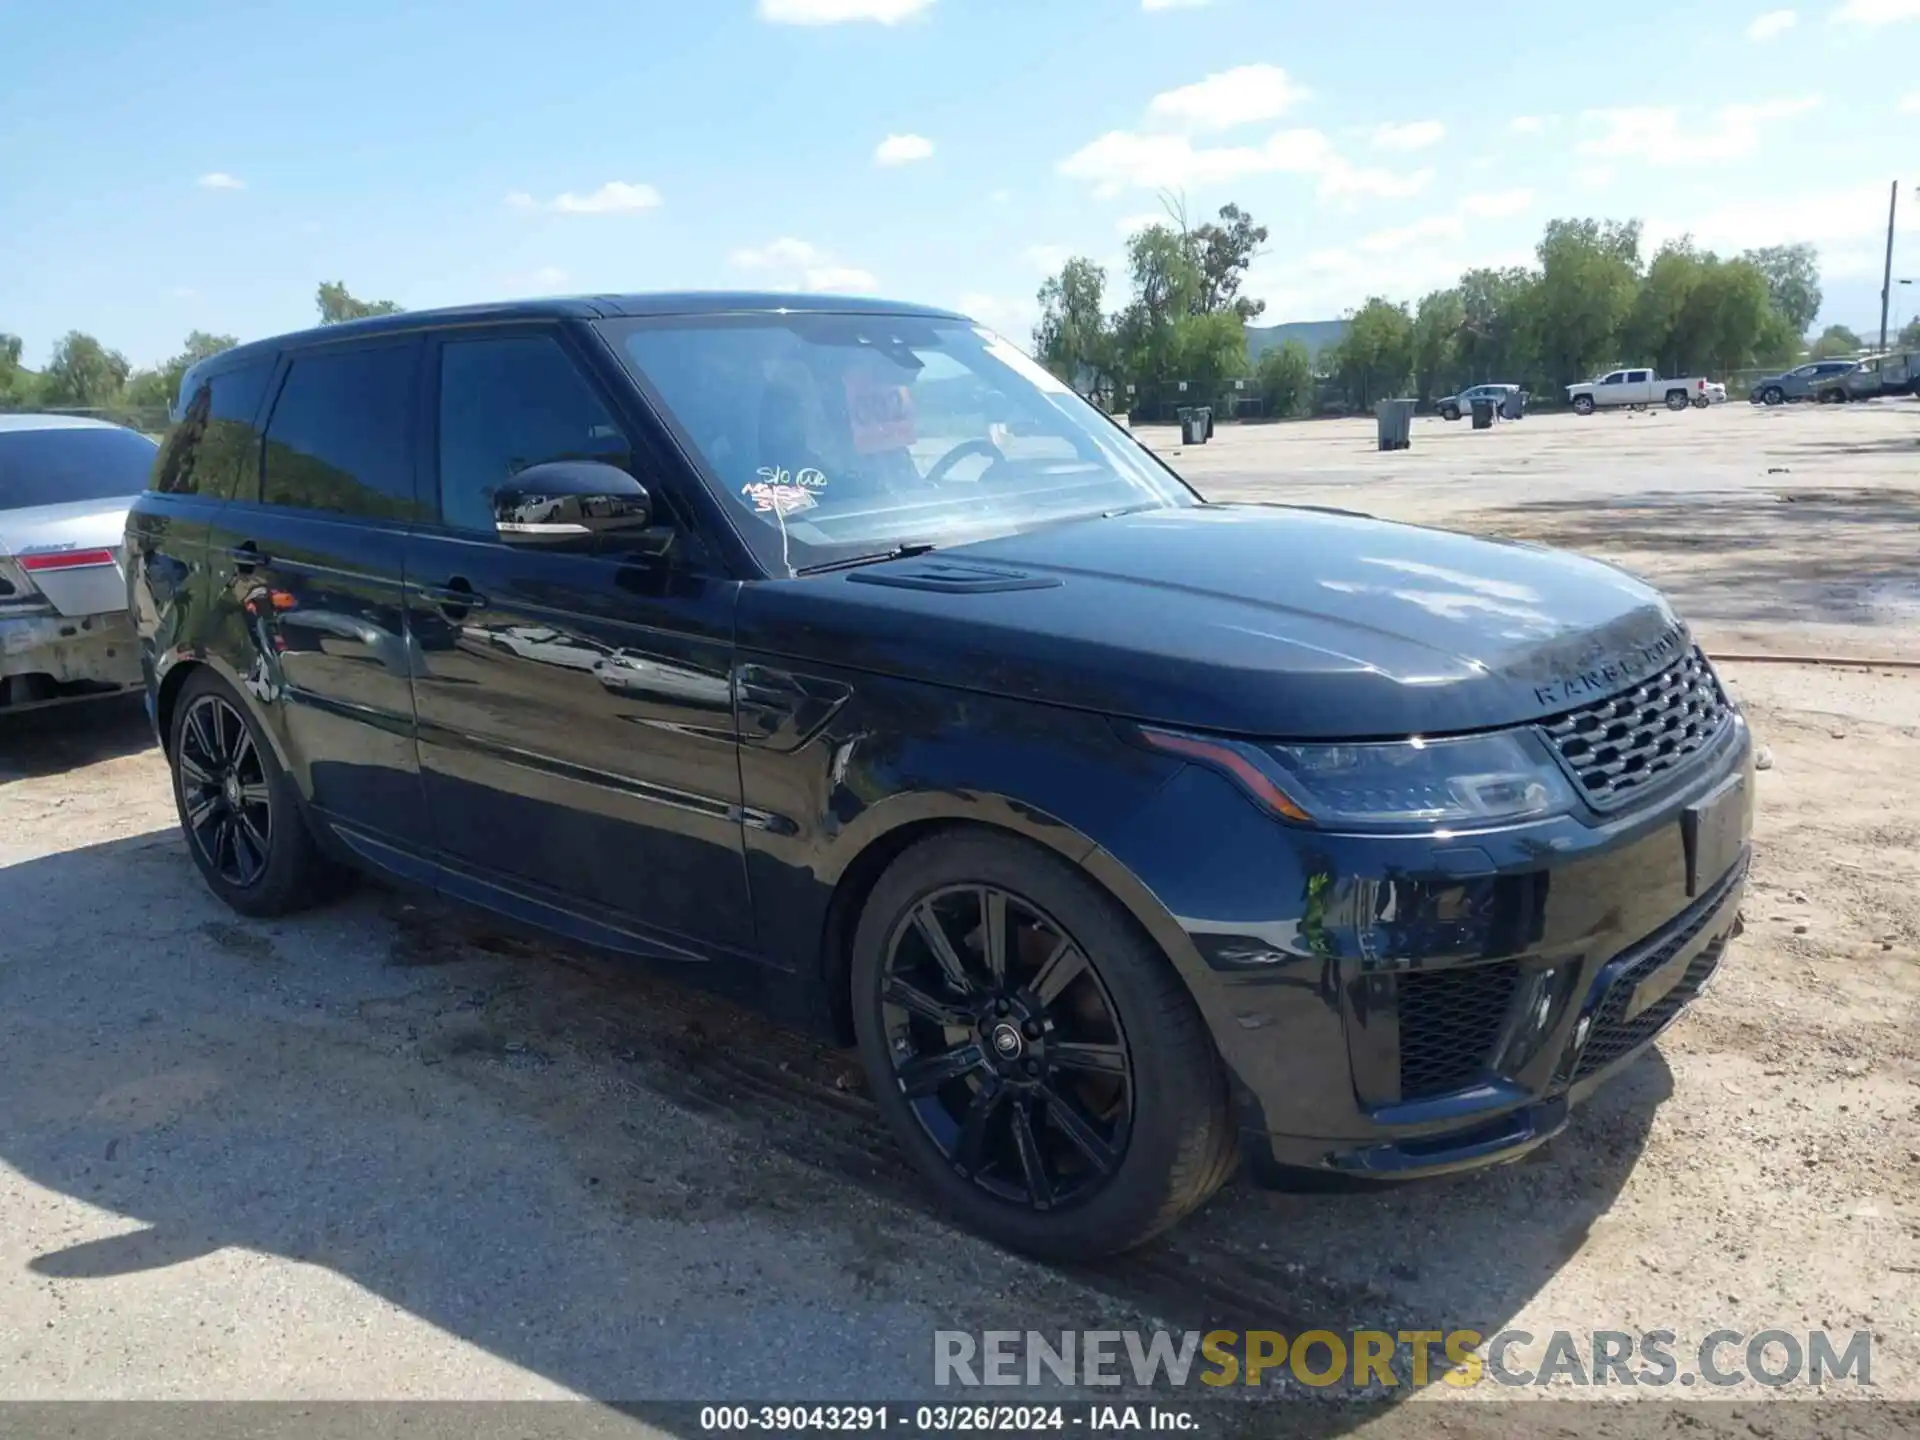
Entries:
{"x":60,"y":465}
{"x":340,"y":439}
{"x":214,"y":440}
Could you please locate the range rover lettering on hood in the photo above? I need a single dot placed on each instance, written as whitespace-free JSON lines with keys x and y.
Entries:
{"x":1594,"y":678}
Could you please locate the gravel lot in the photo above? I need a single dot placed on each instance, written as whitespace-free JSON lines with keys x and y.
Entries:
{"x":382,"y":1152}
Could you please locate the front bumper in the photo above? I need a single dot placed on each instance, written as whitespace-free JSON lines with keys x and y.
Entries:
{"x":56,"y":657}
{"x":1401,"y":1006}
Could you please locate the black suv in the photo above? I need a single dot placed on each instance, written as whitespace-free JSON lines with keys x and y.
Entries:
{"x":836,"y":650}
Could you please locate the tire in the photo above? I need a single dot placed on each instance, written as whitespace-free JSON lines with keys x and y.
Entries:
{"x":1583,"y":404}
{"x":262,"y":861}
{"x":1449,"y":412}
{"x":1677,"y":400}
{"x":1773,"y":395}
{"x":1701,"y":402}
{"x":1161,"y":1120}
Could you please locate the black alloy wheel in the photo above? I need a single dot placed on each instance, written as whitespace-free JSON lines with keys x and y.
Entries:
{"x":225,"y":794}
{"x":1007,"y":1046}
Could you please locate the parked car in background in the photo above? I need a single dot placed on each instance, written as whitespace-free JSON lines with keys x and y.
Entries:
{"x":1716,"y":394}
{"x":65,"y":484}
{"x":1871,"y":378}
{"x":1635,"y":387}
{"x":1797,"y":383}
{"x":1454,"y":406}
{"x":1119,"y":851}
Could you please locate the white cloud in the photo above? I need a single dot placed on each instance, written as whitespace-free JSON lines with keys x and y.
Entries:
{"x":1230,"y":98}
{"x":1497,"y":204}
{"x":548,"y":278}
{"x":1012,"y":318}
{"x":1910,"y":104}
{"x":1121,"y":160}
{"x":1527,"y":124}
{"x":1656,"y":135}
{"x":803,"y":266}
{"x":1772,"y":24}
{"x":1338,"y":178}
{"x":1047,"y":258}
{"x":840,"y":12}
{"x":902,"y":150}
{"x":183,"y":292}
{"x":1415,"y":135}
{"x":1174,"y":4}
{"x":1593,"y":177}
{"x":1872,"y":13}
{"x":220,"y":180}
{"x":1001,"y":197}
{"x":616,"y":197}
{"x":1821,"y":217}
{"x":1128,"y":226}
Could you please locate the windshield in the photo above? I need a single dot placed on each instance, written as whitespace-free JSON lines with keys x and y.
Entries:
{"x":58,"y":466}
{"x":836,"y":436}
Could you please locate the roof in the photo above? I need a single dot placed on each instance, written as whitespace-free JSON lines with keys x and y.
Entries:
{"x":56,"y":422}
{"x":595,"y":307}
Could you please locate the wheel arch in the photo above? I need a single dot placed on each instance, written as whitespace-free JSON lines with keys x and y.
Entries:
{"x":173,"y":679}
{"x":880,"y":849}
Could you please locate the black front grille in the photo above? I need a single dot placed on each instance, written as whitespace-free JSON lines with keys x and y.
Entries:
{"x":1449,"y":1021}
{"x":1624,"y":744}
{"x":1611,"y":1034}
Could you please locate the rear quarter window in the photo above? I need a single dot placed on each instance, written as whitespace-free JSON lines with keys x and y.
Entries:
{"x":60,"y":466}
{"x":213,"y":441}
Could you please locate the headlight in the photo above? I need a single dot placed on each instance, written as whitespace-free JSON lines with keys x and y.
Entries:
{"x":1404,"y":784}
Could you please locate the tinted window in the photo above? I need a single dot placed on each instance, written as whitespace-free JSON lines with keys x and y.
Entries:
{"x":507,"y":404}
{"x":213,"y":440}
{"x":339,"y":436}
{"x":53,"y":467}
{"x":1615,"y":378}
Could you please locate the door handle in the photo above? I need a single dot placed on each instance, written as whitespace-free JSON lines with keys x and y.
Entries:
{"x":246,"y":555}
{"x":455,"y":598}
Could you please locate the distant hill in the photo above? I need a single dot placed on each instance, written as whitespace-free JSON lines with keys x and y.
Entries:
{"x":1316,"y":335}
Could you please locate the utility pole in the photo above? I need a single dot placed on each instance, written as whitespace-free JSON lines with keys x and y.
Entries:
{"x":1886,"y":276}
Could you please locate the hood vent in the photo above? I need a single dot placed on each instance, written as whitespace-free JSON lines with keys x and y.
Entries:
{"x":950,"y":577}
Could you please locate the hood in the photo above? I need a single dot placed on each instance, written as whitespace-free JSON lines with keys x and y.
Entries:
{"x":1256,"y":620}
{"x":79,"y":525}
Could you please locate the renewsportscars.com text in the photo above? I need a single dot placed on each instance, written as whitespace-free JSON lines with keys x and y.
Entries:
{"x":1385,"y":1358}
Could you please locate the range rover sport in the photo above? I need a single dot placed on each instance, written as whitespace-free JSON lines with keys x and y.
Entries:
{"x":835,"y":651}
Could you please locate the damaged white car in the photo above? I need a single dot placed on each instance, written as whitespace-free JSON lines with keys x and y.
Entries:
{"x":65,"y":484}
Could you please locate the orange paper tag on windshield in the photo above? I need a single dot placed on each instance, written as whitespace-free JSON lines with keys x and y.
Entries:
{"x":881,"y":414}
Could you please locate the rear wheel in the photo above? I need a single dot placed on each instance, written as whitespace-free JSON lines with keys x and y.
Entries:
{"x":1677,"y":400}
{"x":1583,"y":404}
{"x":1035,"y":1054}
{"x":237,"y":806}
{"x":1700,"y":402}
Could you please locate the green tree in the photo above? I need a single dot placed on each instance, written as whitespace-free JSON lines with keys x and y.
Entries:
{"x":1909,"y":337}
{"x":1589,"y":273}
{"x":1073,"y":338}
{"x":161,"y":387}
{"x":1793,"y":282}
{"x":1224,"y":249}
{"x":1284,"y":378}
{"x":1375,"y":357}
{"x":1493,"y":344}
{"x":1209,"y":352}
{"x":1438,"y":326}
{"x":336,"y":305}
{"x":19,"y":386}
{"x":1836,"y":340}
{"x":83,"y":374}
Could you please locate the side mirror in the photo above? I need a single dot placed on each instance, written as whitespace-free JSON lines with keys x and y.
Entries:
{"x":572,"y":505}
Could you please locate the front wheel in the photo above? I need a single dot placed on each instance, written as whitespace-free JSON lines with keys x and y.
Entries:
{"x":237,"y":806}
{"x":1449,"y":412}
{"x":1583,"y":404}
{"x":1035,"y":1054}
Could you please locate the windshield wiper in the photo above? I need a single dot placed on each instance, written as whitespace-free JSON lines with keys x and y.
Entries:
{"x":899,"y":552}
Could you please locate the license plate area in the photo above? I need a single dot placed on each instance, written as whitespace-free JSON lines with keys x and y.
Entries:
{"x":1714,"y":831}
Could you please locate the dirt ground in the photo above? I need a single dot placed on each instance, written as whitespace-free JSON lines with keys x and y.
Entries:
{"x":384,"y":1152}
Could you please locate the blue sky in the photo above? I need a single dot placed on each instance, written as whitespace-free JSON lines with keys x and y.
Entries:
{"x":180,"y":166}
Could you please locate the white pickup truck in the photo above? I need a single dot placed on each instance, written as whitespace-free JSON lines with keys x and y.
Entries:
{"x":1638,"y":387}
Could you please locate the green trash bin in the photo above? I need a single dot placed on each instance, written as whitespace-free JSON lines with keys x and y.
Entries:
{"x":1395,"y":421}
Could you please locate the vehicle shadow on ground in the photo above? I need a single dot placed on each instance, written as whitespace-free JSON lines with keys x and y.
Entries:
{"x":54,"y":738}
{"x":1839,"y":557}
{"x":615,"y":1181}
